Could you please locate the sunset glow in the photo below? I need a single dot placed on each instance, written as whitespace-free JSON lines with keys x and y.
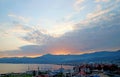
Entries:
{"x":61,"y":52}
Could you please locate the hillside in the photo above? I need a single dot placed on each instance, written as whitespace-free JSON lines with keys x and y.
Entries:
{"x":101,"y":56}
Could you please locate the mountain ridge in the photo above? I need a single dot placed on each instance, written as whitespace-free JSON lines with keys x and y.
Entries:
{"x":101,"y":56}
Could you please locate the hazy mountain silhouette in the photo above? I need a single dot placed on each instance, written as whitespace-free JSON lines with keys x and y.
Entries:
{"x":102,"y":56}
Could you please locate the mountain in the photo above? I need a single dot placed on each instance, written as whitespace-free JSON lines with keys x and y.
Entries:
{"x":101,"y":56}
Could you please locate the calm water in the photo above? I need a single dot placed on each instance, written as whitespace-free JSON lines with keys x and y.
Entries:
{"x":8,"y":68}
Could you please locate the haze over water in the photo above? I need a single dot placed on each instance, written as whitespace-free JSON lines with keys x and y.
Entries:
{"x":17,"y":68}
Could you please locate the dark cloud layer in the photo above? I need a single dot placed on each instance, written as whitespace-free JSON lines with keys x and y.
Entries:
{"x":100,"y":35}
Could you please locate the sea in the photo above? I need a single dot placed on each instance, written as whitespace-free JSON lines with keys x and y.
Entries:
{"x":21,"y":68}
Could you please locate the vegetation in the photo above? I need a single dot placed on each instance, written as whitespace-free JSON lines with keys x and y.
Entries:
{"x":17,"y":75}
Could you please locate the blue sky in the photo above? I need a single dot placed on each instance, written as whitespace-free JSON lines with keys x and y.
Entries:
{"x":44,"y":24}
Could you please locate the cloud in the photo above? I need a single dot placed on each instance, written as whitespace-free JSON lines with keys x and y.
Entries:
{"x":99,"y":31}
{"x":77,"y":5}
{"x":17,"y":30}
{"x":78,"y":2}
{"x":19,"y":18}
{"x":60,"y":28}
{"x":77,"y":8}
{"x":29,"y":50}
{"x":37,"y":36}
{"x":117,"y":0}
{"x":102,"y":0}
{"x":104,"y":35}
{"x":99,"y":11}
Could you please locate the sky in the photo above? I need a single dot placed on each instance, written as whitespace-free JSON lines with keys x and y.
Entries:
{"x":36,"y":27}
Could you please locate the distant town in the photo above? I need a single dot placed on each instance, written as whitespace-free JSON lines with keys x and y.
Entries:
{"x":79,"y":70}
